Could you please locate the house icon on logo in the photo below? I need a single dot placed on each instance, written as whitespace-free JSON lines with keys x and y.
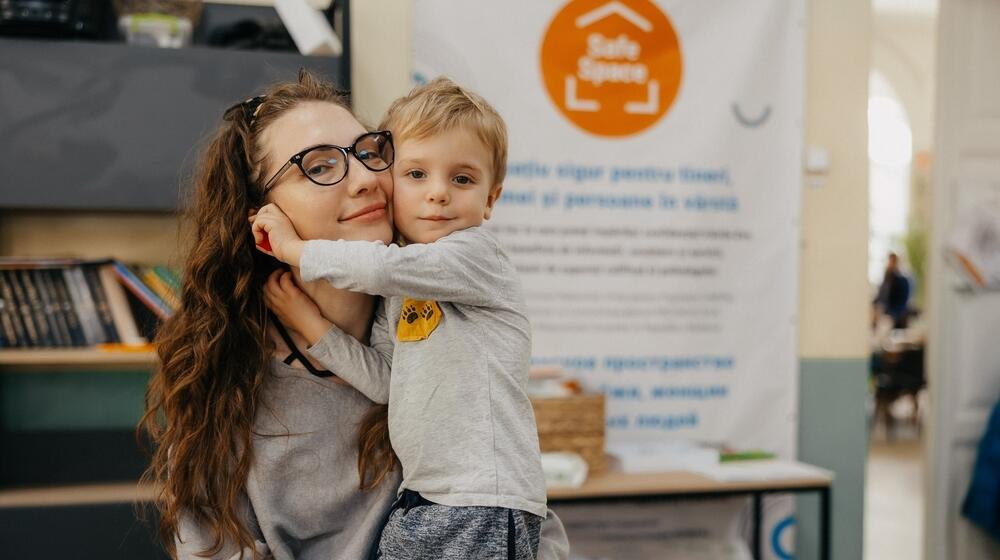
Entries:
{"x":610,"y":9}
{"x":575,"y":103}
{"x":611,"y":67}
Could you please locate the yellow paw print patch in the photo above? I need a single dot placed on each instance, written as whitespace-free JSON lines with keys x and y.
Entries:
{"x":417,"y":319}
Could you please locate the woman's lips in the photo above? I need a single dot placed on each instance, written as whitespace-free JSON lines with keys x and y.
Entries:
{"x":372,"y":213}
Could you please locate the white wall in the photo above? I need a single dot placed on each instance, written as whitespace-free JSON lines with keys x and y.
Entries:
{"x":381,"y":61}
{"x":904,"y":45}
{"x":834,"y":287}
{"x":903,"y":49}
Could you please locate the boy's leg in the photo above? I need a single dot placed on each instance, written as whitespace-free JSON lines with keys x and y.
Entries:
{"x":459,"y":533}
{"x":527,"y":530}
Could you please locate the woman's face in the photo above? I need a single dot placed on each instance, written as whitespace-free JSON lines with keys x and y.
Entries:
{"x":356,"y":208}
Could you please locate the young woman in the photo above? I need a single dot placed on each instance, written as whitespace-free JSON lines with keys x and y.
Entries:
{"x":261,"y":453}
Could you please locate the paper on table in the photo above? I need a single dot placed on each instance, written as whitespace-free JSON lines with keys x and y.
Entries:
{"x":662,"y":456}
{"x":688,"y":548}
{"x":564,"y":470}
{"x":771,"y":469}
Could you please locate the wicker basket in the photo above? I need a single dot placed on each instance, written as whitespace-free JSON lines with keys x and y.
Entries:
{"x":574,"y":423}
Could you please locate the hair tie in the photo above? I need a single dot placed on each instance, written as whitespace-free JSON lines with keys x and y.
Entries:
{"x":250,"y":107}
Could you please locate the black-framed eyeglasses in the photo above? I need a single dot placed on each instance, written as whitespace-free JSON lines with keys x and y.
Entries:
{"x":326,"y":165}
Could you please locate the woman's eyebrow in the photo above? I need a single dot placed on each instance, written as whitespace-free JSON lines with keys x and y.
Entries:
{"x":321,"y":145}
{"x":333,"y":143}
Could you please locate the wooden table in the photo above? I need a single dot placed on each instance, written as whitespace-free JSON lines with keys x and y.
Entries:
{"x":611,"y":487}
{"x":677,"y":485}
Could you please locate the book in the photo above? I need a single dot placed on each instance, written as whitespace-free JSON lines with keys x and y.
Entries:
{"x":14,"y":312}
{"x":83,"y":302}
{"x":118,"y":304}
{"x":4,"y":341}
{"x":24,"y":309}
{"x":161,"y":288}
{"x":10,"y":336}
{"x":53,"y":310}
{"x":73,"y":324}
{"x":146,"y":321}
{"x":171,"y":277}
{"x":36,"y":310}
{"x":140,"y":290}
{"x":96,"y":288}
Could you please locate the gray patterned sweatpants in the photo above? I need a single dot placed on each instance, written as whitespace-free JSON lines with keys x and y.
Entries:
{"x":422,"y":530}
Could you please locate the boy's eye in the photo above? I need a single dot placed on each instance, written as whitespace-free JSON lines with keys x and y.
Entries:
{"x":416,"y":174}
{"x":463,"y":179}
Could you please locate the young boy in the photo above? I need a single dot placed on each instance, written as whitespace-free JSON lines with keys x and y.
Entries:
{"x":452,"y":328}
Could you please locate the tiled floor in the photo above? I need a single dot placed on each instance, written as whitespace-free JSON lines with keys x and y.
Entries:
{"x":894,"y":499}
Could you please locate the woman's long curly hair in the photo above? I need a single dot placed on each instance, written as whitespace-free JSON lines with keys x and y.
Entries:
{"x":214,"y":352}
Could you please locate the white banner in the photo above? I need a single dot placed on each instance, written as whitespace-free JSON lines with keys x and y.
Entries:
{"x":652,"y":199}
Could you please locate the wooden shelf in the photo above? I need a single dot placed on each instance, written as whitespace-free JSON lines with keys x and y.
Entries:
{"x":610,"y":485}
{"x":317,"y":4}
{"x":614,"y":484}
{"x":84,"y":494}
{"x":44,"y":358}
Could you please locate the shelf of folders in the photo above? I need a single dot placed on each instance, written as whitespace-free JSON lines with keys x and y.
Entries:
{"x":82,"y":307}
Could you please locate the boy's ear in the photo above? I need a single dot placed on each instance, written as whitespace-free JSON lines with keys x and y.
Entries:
{"x":491,"y":199}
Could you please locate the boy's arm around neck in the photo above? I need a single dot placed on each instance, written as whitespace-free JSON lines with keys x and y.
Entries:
{"x":366,"y":368}
{"x":466,"y":267}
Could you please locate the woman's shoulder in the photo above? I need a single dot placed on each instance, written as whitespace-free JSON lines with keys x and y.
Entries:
{"x":289,"y":388}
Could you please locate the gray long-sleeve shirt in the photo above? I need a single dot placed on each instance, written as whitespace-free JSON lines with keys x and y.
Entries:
{"x":459,"y":415}
{"x":302,"y":496}
{"x":302,"y":500}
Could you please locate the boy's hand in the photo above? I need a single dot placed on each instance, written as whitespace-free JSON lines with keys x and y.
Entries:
{"x":293,"y":307}
{"x":275,"y":235}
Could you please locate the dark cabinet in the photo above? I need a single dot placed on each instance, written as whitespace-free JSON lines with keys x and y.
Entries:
{"x":109,"y":126}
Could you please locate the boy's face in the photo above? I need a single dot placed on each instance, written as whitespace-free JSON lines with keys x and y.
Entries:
{"x":442,"y":184}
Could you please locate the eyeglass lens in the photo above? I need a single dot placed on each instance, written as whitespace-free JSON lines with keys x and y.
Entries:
{"x":327,"y":166}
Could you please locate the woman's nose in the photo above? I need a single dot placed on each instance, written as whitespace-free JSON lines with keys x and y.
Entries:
{"x":361,"y":180}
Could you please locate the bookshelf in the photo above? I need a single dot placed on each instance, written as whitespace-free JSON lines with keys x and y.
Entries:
{"x":70,"y":463}
{"x":73,"y":495}
{"x":49,"y":358}
{"x":68,"y":459}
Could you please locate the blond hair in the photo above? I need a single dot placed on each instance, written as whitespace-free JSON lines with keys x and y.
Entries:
{"x":442,"y":105}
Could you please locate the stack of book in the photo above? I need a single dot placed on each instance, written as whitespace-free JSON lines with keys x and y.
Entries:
{"x":72,"y":303}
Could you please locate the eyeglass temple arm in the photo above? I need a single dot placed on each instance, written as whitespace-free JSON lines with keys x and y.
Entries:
{"x":270,"y":182}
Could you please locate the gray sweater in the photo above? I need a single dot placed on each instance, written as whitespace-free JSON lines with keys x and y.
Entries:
{"x":459,"y":415}
{"x":302,"y":499}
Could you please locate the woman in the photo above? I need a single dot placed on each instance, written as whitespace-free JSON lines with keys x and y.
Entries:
{"x":258,"y":453}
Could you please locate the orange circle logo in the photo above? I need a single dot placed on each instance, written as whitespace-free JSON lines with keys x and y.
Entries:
{"x":612,"y":67}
